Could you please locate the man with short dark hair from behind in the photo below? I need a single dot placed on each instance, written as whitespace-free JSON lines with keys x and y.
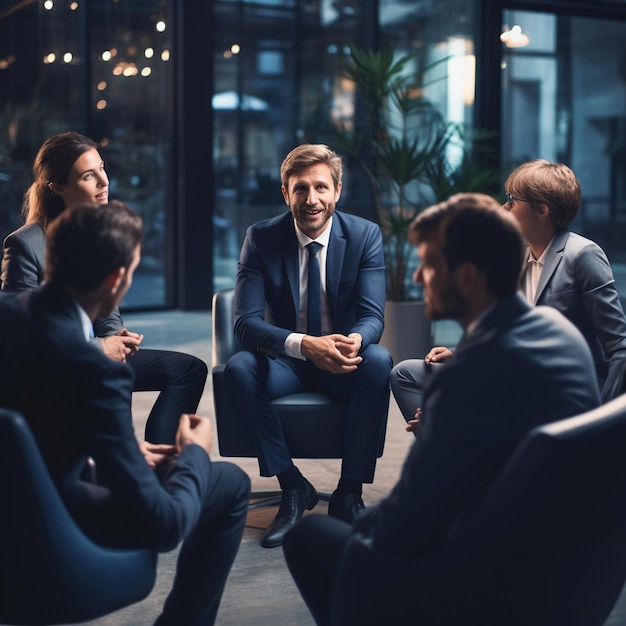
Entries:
{"x":515,"y":367}
{"x":77,"y":402}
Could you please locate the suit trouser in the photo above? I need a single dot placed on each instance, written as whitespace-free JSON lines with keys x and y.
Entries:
{"x":179,"y":377}
{"x":408,"y":381}
{"x":253,"y":380}
{"x":313,"y":549}
{"x":208,"y":552}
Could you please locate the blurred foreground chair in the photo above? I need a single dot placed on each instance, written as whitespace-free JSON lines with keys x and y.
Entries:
{"x":50,"y":572}
{"x":619,"y":385}
{"x":313,"y":423}
{"x":546,"y":546}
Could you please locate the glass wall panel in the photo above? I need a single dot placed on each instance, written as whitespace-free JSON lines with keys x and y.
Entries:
{"x":564,"y":99}
{"x":276,"y":84}
{"x":439,"y":35}
{"x":103,"y":69}
{"x":40,"y":87}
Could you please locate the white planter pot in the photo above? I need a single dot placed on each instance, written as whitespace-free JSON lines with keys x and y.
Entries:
{"x":408,"y":333}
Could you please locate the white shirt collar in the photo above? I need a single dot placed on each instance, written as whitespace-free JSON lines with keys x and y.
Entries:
{"x":542,"y":259}
{"x":323,"y":239}
{"x":85,"y":322}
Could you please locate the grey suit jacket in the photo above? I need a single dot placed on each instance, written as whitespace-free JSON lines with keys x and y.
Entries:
{"x":577,"y":280}
{"x":522,"y":366}
{"x":24,"y":268}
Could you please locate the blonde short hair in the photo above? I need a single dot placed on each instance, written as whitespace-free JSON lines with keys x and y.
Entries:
{"x":545,"y":182}
{"x":309,"y":154}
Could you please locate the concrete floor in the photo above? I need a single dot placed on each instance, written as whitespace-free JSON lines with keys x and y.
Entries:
{"x":260,"y":590}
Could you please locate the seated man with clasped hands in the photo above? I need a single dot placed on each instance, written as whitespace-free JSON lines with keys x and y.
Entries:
{"x":320,"y":274}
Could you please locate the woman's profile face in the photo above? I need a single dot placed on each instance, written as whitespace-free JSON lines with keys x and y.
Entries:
{"x":86,"y":182}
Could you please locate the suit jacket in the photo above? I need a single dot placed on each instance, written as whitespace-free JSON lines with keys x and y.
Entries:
{"x":24,"y":267}
{"x":267,"y":291}
{"x":78,"y":404}
{"x":520,"y":367}
{"x":578,"y":281}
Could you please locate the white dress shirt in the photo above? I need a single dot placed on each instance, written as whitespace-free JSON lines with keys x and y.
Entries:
{"x":293,"y":343}
{"x":532,"y":273}
{"x":85,"y":322}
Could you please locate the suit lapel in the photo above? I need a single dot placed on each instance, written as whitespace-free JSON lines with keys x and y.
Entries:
{"x":553,"y":258}
{"x":334,"y":264}
{"x":290,"y":259}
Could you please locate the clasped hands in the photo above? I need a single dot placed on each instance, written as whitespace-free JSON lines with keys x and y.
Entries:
{"x":334,"y":353}
{"x":192,"y":429}
{"x":122,"y":344}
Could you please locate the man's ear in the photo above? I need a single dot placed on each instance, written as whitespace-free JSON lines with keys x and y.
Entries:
{"x":285,"y":194}
{"x":114,"y":280}
{"x":338,"y":191}
{"x":468,"y":278}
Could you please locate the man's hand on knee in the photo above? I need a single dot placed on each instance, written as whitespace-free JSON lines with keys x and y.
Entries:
{"x":411,"y":425}
{"x":438,"y":354}
{"x":193,"y":429}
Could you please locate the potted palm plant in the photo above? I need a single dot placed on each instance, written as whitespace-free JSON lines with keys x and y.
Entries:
{"x":404,"y":144}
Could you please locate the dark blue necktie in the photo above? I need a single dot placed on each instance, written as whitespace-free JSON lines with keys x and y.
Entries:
{"x":314,"y":292}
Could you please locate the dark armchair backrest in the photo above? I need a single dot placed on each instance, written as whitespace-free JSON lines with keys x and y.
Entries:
{"x":50,"y":572}
{"x":547,"y":544}
{"x":225,"y":343}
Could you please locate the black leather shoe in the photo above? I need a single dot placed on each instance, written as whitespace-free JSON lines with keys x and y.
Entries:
{"x":345,"y":506}
{"x":292,"y":506}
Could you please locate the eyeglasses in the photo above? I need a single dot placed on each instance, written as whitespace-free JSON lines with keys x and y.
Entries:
{"x":510,"y":199}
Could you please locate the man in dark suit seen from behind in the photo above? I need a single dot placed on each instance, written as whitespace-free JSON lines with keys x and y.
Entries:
{"x":319,"y":274}
{"x":77,"y":402}
{"x":515,"y":367}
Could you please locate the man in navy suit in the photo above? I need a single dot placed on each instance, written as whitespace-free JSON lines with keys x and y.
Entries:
{"x":77,"y":402}
{"x":331,"y":347}
{"x":515,"y":367}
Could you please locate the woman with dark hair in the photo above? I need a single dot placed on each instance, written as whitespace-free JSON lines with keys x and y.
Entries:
{"x":69,"y":169}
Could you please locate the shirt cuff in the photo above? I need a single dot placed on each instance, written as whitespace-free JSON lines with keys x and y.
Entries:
{"x":293,"y":346}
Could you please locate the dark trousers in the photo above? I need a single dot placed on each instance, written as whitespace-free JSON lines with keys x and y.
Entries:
{"x":253,"y":380}
{"x":208,"y":552}
{"x":313,"y":549}
{"x":179,"y":377}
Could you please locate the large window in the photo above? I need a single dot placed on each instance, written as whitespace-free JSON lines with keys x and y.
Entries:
{"x":278,"y":83}
{"x":106,"y":68}
{"x":103,"y":69}
{"x":564,"y":99}
{"x":274,"y":86}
